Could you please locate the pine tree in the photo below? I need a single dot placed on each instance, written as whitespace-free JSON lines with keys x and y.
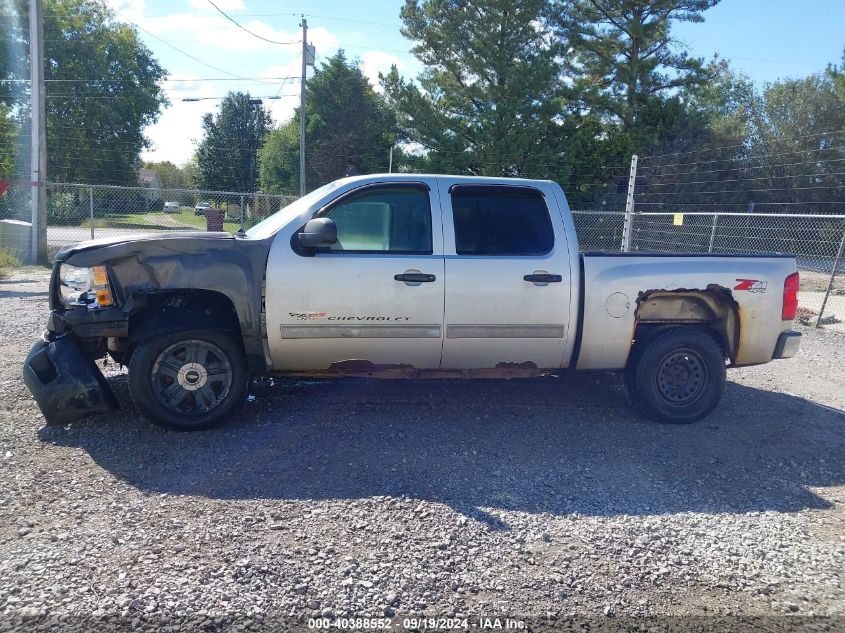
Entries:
{"x":227,"y":155}
{"x":487,"y":102}
{"x":621,"y":56}
{"x":348,"y":129}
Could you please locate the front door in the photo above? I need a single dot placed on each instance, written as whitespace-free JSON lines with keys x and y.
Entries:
{"x":507,"y":276}
{"x":375,"y":298}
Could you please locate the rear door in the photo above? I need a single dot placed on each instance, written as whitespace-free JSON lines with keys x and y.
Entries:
{"x":507,"y":276}
{"x":374,"y":298}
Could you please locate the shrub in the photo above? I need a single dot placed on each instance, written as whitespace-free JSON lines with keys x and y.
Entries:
{"x":8,"y":260}
{"x":64,"y":208}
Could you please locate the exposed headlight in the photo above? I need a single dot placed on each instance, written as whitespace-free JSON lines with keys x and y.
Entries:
{"x":85,"y":286}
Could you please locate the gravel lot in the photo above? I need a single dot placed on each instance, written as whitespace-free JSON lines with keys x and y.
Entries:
{"x":542,"y":499}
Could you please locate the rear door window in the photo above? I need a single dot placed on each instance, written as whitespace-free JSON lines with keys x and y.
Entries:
{"x":501,"y":221}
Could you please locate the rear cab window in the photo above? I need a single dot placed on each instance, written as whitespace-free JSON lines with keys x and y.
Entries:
{"x":504,"y":221}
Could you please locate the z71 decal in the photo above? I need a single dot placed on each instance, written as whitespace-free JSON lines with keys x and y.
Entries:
{"x":751,"y":285}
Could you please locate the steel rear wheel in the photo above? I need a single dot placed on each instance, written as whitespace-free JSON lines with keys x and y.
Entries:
{"x":679,"y":376}
{"x":189,"y":380}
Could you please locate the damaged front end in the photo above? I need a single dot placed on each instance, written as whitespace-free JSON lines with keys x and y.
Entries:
{"x":101,"y":287}
{"x":64,"y":381}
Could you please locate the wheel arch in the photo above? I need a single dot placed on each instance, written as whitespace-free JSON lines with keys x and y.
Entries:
{"x":180,"y":310}
{"x":713,"y":310}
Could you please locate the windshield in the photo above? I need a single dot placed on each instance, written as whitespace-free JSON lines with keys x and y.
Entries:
{"x":270,"y":225}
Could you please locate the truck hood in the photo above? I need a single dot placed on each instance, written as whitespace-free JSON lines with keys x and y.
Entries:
{"x":172,"y":240}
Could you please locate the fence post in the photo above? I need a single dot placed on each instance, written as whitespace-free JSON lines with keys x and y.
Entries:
{"x":627,"y":229}
{"x":242,"y":211}
{"x":832,"y":277}
{"x":91,"y":208}
{"x":713,"y":232}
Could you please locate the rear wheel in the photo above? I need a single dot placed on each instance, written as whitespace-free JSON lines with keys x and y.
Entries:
{"x":678,"y":377}
{"x":189,"y":380}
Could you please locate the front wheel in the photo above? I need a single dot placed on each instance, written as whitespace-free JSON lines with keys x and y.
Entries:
{"x":189,"y":380}
{"x":679,"y":377}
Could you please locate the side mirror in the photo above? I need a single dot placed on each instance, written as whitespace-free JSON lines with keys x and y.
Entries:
{"x":317,"y":233}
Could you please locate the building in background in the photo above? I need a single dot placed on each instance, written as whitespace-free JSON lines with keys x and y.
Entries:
{"x":149,"y":179}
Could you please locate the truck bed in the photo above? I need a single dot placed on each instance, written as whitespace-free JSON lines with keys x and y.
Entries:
{"x":614,"y":287}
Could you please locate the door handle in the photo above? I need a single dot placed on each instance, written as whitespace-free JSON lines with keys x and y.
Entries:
{"x":415,"y":278}
{"x":543,"y":278}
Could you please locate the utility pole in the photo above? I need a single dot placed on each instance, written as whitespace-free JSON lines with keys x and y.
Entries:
{"x":302,"y":107}
{"x":38,"y":167}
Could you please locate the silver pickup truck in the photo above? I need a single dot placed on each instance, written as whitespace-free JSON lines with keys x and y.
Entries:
{"x":401,"y":275}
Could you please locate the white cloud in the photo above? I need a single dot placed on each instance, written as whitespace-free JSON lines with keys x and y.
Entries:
{"x":281,"y":109}
{"x":181,"y":85}
{"x":177,"y":131}
{"x":322,"y":39}
{"x":374,"y":62}
{"x":210,"y":36}
{"x":179,"y":128}
{"x":127,"y":10}
{"x":218,"y":32}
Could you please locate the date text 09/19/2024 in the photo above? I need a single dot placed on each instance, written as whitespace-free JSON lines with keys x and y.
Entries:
{"x":417,"y":624}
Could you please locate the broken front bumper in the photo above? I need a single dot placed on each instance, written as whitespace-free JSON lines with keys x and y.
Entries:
{"x":64,"y":380}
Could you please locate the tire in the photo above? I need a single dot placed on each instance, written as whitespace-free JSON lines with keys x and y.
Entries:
{"x":189,"y":380}
{"x":678,"y":376}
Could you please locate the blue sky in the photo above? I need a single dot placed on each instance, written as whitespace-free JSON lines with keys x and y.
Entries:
{"x":767,"y":39}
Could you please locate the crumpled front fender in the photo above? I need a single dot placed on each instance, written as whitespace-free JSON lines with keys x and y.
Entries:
{"x":65,"y":382}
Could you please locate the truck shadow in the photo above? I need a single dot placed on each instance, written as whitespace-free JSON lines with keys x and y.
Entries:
{"x":555,"y":445}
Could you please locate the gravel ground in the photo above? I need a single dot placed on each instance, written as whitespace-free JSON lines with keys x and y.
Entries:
{"x":544,"y":500}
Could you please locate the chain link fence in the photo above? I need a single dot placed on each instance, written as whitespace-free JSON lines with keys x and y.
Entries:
{"x":15,"y":227}
{"x":77,"y":212}
{"x":599,"y":231}
{"x":817,"y":241}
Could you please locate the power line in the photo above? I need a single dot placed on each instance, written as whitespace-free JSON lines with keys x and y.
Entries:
{"x":739,"y":159}
{"x":701,"y":193}
{"x":269,"y":97}
{"x":713,"y":149}
{"x":648,"y":185}
{"x":246,"y":30}
{"x":167,"y":79}
{"x":185,"y":99}
{"x":196,"y":59}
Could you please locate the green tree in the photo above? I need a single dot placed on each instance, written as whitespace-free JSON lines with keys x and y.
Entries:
{"x":621,"y":55}
{"x":348,"y":128}
{"x":487,"y":102}
{"x":796,"y":143}
{"x":102,"y":88}
{"x":227,"y":154}
{"x":278,"y":159}
{"x":8,"y":143}
{"x":837,"y":75}
{"x":178,"y":179}
{"x":172,"y":176}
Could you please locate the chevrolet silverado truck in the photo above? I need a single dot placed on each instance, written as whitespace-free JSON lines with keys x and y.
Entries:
{"x":400,"y":276}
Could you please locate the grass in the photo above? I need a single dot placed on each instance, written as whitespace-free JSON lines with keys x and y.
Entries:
{"x":157,"y":220}
{"x":7,"y":260}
